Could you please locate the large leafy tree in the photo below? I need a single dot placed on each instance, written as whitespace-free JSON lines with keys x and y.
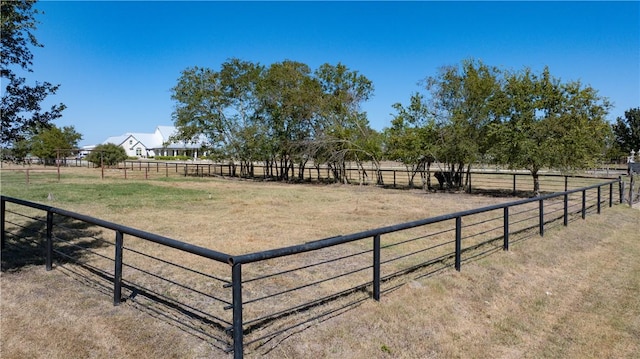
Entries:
{"x":283,"y":114}
{"x":223,"y":107}
{"x":21,"y":109}
{"x":342,"y":132}
{"x":53,"y":142}
{"x":290,"y":99}
{"x":549,"y":124}
{"x":412,"y":138}
{"x":627,"y":131}
{"x":454,"y":115}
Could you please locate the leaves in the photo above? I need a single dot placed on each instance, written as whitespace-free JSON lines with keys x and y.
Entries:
{"x":284,"y":112}
{"x":20,"y":109}
{"x":107,"y":154}
{"x":550,"y":124}
{"x":54,"y":142}
{"x":627,"y":131}
{"x":521,"y":119}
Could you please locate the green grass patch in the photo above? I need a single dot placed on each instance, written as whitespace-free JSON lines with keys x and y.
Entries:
{"x":111,"y":195}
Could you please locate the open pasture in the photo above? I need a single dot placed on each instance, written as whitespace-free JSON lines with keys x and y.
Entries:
{"x":242,"y":217}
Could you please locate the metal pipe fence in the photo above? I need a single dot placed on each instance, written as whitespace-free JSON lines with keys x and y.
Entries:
{"x":252,"y":299}
{"x":478,"y":181}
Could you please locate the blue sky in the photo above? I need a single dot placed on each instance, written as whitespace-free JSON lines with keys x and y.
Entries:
{"x":117,"y":61}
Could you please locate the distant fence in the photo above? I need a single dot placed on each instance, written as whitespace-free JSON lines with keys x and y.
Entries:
{"x":391,"y":177}
{"x":29,"y":175}
{"x":479,"y":181}
{"x":236,"y":301}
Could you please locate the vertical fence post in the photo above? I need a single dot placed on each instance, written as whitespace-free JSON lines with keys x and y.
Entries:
{"x":28,"y":179}
{"x":2,"y":218}
{"x":514,"y":184}
{"x":621,"y":189}
{"x":566,"y":210}
{"x":394,"y":178}
{"x":166,"y":170}
{"x":541,"y":217}
{"x":505,"y":244}
{"x":125,"y":172}
{"x":117,"y":272}
{"x":631,"y":183}
{"x":376,"y":267}
{"x":236,"y":282}
{"x":599,"y":196}
{"x":49,"y":241}
{"x":146,"y":173}
{"x":611,"y":194}
{"x":458,"y":242}
{"x":566,"y":183}
{"x":584,"y":204}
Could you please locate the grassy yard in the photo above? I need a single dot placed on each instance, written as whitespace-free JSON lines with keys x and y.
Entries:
{"x":572,"y":293}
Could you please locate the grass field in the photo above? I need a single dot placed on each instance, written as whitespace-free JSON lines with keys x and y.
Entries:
{"x":547,"y":297}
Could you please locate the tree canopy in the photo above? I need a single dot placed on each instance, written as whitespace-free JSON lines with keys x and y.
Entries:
{"x":53,"y":142}
{"x":287,"y":114}
{"x":21,"y":111}
{"x":284,"y":114}
{"x":549,"y":124}
{"x":520,"y":118}
{"x":627,"y":131}
{"x":448,"y":124}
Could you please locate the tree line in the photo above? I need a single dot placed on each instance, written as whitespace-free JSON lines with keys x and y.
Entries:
{"x":287,"y":115}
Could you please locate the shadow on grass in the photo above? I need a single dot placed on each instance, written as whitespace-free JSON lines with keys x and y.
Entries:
{"x":502,"y":193}
{"x":171,"y":312}
{"x":25,"y":242}
{"x":77,"y":254}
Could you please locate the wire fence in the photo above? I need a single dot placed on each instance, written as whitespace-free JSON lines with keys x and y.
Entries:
{"x":507,"y":183}
{"x":256,"y":299}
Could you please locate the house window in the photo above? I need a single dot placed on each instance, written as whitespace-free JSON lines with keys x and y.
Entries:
{"x":138,"y":151}
{"x":130,"y":142}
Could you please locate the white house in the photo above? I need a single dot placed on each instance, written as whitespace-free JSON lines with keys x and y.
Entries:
{"x":145,"y":145}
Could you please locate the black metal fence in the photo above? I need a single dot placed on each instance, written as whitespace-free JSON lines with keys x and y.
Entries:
{"x":251,"y":300}
{"x":478,"y":181}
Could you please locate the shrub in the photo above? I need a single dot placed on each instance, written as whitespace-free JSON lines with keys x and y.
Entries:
{"x":108,"y":154}
{"x":172,"y":158}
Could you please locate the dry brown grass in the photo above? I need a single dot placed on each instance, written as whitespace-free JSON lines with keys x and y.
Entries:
{"x":571,"y":294}
{"x":240,"y":217}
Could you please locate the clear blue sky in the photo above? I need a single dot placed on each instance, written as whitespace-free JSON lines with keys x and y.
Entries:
{"x":117,"y":61}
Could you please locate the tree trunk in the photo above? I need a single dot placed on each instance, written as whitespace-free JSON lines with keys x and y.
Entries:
{"x":467,"y":177}
{"x":301,"y":167}
{"x":536,"y":183}
{"x":429,"y":175}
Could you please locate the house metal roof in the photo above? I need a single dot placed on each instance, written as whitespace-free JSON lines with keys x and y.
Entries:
{"x":153,"y":140}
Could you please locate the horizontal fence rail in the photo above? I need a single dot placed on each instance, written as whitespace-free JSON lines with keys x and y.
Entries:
{"x":477,"y":181}
{"x":251,"y":299}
